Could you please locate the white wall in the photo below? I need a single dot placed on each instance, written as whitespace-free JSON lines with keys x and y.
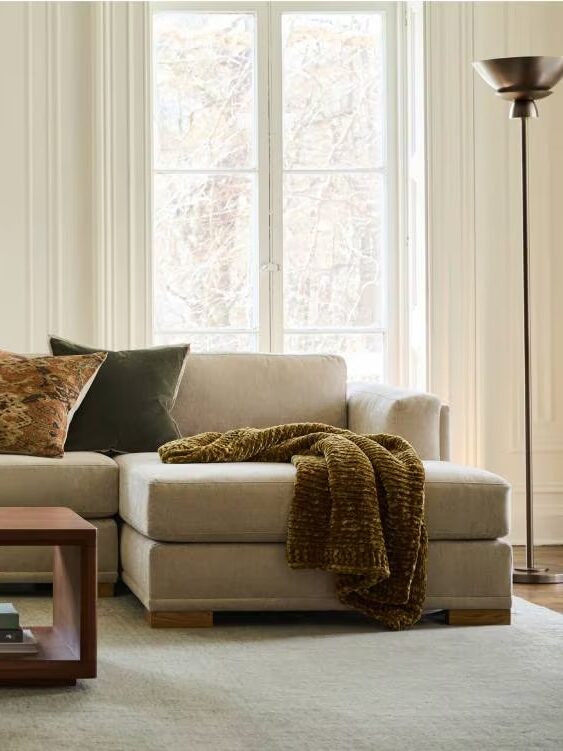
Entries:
{"x":72,"y":177}
{"x":45,"y":175}
{"x":475,"y":249}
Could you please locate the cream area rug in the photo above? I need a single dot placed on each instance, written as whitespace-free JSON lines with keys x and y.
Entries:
{"x":310,"y":682}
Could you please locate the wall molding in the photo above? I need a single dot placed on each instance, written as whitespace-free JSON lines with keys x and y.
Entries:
{"x":121,"y":180}
{"x":131,"y":227}
{"x":548,"y":514}
{"x":54,"y":167}
{"x":103,"y":182}
{"x":451,"y":218}
{"x":29,"y":198}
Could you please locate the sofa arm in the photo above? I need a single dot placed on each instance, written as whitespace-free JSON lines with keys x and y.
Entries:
{"x":418,"y":417}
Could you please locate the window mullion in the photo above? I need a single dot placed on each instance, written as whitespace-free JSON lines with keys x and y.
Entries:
{"x":276,"y":180}
{"x":263,"y":179}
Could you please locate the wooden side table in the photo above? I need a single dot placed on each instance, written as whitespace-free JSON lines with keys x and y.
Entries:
{"x":67,"y":649}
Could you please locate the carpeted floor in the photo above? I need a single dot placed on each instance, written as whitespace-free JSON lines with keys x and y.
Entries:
{"x":300,"y":682}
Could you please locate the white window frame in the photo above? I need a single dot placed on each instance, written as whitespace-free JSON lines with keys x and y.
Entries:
{"x":270,"y":171}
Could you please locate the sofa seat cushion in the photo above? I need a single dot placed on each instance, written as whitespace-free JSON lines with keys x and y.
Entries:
{"x":249,"y":501}
{"x":81,"y":480}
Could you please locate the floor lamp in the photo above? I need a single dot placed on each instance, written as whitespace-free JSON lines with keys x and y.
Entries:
{"x":522,"y":80}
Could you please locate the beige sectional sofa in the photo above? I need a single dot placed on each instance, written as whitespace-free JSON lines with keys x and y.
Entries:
{"x":202,"y":538}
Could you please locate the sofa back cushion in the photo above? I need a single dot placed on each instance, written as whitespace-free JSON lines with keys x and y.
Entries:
{"x":223,"y":391}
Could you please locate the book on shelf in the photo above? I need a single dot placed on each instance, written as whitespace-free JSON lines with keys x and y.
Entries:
{"x":10,"y":635}
{"x":9,"y":616}
{"x":28,"y":646}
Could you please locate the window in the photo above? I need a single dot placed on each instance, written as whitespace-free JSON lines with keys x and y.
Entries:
{"x":206,"y":215}
{"x":275,"y":190}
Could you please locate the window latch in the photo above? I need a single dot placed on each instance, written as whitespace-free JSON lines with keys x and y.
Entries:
{"x":270,"y":267}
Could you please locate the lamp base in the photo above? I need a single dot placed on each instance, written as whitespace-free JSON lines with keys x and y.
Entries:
{"x":523,"y":575}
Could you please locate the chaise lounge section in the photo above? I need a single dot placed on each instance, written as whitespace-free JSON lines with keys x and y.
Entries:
{"x":199,"y":538}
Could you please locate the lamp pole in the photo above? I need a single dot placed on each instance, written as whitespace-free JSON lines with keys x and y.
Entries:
{"x":523,"y":80}
{"x":527,"y":357}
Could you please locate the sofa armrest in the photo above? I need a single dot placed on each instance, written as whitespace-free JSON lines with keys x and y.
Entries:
{"x":415,"y":416}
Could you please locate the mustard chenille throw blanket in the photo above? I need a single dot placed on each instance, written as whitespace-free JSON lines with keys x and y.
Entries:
{"x":357,"y":508}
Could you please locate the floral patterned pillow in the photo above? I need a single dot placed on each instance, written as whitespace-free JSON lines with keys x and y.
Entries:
{"x":38,"y":397}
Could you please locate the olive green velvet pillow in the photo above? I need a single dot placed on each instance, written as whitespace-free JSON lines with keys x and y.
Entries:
{"x":127,"y":408}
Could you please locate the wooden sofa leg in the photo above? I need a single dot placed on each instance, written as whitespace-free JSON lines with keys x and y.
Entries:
{"x":478,"y":617}
{"x":106,"y":589}
{"x":186,"y":619}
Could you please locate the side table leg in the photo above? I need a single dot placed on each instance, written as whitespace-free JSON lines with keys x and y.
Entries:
{"x":74,"y":602}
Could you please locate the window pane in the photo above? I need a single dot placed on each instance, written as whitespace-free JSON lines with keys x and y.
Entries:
{"x":217,"y":342}
{"x":333,"y":89}
{"x":364,"y":353}
{"x":204,"y":260}
{"x":203,"y":90}
{"x":333,"y":253}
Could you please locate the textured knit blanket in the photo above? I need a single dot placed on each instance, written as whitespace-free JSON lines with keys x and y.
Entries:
{"x":357,"y":508}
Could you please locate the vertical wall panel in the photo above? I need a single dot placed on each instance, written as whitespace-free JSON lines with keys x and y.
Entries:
{"x":121,"y":198}
{"x":74,"y":204}
{"x":451,"y":232}
{"x":38,"y":177}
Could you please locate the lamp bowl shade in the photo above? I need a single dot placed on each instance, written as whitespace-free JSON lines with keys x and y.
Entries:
{"x":521,"y":78}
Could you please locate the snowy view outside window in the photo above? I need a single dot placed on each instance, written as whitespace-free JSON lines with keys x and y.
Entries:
{"x":330,"y":164}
